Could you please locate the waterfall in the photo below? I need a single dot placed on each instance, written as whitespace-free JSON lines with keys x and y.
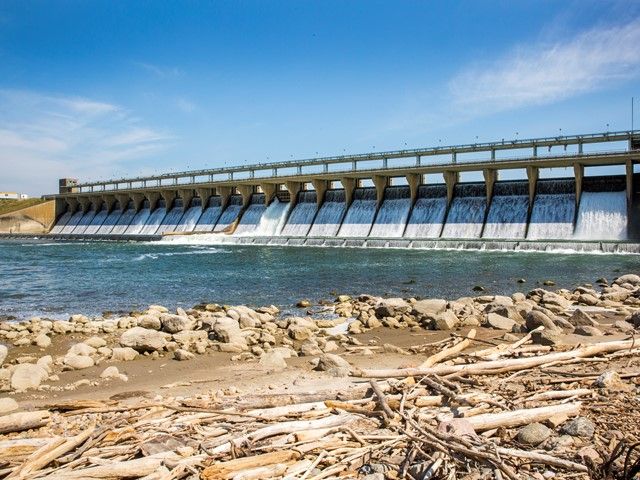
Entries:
{"x":553,"y":210}
{"x":97,"y":221}
{"x":191,"y":217}
{"x":272,"y":220}
{"x":428,"y":212}
{"x":139,"y":221}
{"x":84,"y":222}
{"x":230,"y":214}
{"x":602,"y":216}
{"x":302,"y":215}
{"x":252,"y":215}
{"x":154,"y":220}
{"x":394,"y":211}
{"x":172,"y":219}
{"x":507,"y":217}
{"x":125,"y":220}
{"x":357,"y":222}
{"x":61,"y":223}
{"x":111,"y":220}
{"x":466,"y":213}
{"x":210,"y":216}
{"x":330,"y":215}
{"x":72,"y":223}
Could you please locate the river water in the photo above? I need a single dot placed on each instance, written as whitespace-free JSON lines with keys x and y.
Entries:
{"x":58,"y":279}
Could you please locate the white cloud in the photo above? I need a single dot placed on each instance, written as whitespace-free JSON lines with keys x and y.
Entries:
{"x":549,"y":72}
{"x":160,"y":71}
{"x":45,"y":137}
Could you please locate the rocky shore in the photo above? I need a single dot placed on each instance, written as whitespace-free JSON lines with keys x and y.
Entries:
{"x":86,"y":371}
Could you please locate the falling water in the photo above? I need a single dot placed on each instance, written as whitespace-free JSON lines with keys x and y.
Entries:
{"x":230,"y":214}
{"x":507,"y":217}
{"x":110,"y":221}
{"x":72,"y":223}
{"x":191,"y":216}
{"x":302,"y":215}
{"x":210,"y":216}
{"x":84,"y":222}
{"x":329,"y":217}
{"x":553,"y":210}
{"x":140,"y":220}
{"x":394,"y":211}
{"x":428,"y":212}
{"x":61,"y":223}
{"x":466,"y":214}
{"x":602,"y":216}
{"x":272,"y":220}
{"x":154,"y":219}
{"x":251,"y":217}
{"x":357,"y":222}
{"x":125,"y":220}
{"x":172,"y":219}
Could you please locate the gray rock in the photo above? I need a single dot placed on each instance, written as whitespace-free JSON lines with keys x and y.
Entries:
{"x":273,"y":361}
{"x":151,"y":322}
{"x":182,"y":355}
{"x":113,"y":372}
{"x":429,"y":307}
{"x":588,"y":331}
{"x":579,"y":427}
{"x":499,"y":322}
{"x":143,"y":339}
{"x":3,"y":353}
{"x":629,"y":278}
{"x":582,"y":318}
{"x":78,"y":362}
{"x":334,"y":365}
{"x":310,"y":349}
{"x":175,"y":323}
{"x":611,"y":381}
{"x":634,"y":319}
{"x":533,"y":434}
{"x":8,"y":405}
{"x":446,"y":320}
{"x":547,"y":337}
{"x":27,"y":375}
{"x":536,"y":319}
{"x":623,"y":326}
{"x":125,"y":354}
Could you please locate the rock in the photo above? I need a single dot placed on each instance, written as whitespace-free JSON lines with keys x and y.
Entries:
{"x":334,"y":365}
{"x":42,"y":341}
{"x":273,"y":361}
{"x":547,"y":337}
{"x":227,"y":330}
{"x":533,"y":434}
{"x":310,"y":349}
{"x":143,"y":339}
{"x":580,"y":427}
{"x":536,"y":318}
{"x":630,"y":278}
{"x":113,"y":372}
{"x":343,"y":298}
{"x":634,"y":319}
{"x":175,"y":323}
{"x":78,"y":362}
{"x":582,"y":318}
{"x":623,"y":326}
{"x":611,"y":381}
{"x":303,"y":304}
{"x":499,"y":322}
{"x":157,"y":308}
{"x":81,"y":349}
{"x":46,"y":363}
{"x":588,"y":331}
{"x":299,"y":332}
{"x":429,"y":307}
{"x":27,"y":375}
{"x":182,"y":355}
{"x":446,"y":320}
{"x":549,"y":283}
{"x":125,"y":354}
{"x":3,"y":353}
{"x":96,"y":342}
{"x":388,"y":307}
{"x":151,"y":322}
{"x":7,"y":405}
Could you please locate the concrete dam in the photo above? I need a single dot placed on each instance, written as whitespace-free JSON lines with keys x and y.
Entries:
{"x":406,"y":199}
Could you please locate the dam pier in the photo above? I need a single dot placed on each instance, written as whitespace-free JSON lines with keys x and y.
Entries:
{"x":505,"y":194}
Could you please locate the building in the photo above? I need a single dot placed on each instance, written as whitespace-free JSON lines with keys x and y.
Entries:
{"x":13,"y":196}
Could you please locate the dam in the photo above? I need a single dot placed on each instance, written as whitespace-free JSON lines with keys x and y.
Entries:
{"x":580,"y":190}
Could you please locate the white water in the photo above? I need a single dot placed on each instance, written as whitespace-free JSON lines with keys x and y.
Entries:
{"x":72,"y":223}
{"x":327,"y":222}
{"x":302,"y":215}
{"x":171,"y":221}
{"x":427,"y":218}
{"x":97,"y":222}
{"x":251,"y":218}
{"x":84,"y":222}
{"x":111,"y":220}
{"x":139,"y":221}
{"x":209,"y":217}
{"x":62,"y":221}
{"x":190,"y":219}
{"x":602,"y":216}
{"x":153,"y":221}
{"x":272,"y":220}
{"x":357,"y":222}
{"x":228,"y":216}
{"x":466,"y":217}
{"x":124,"y":221}
{"x":552,"y":216}
{"x":507,"y":217}
{"x":392,"y":218}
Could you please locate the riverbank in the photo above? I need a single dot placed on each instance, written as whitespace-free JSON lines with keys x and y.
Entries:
{"x":217,"y":357}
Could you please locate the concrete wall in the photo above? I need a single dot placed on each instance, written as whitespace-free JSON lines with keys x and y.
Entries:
{"x":35,"y":219}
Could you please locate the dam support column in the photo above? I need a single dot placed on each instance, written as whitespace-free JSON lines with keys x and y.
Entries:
{"x":186,"y":195}
{"x":123,"y":200}
{"x":381,"y":183}
{"x":294,"y":189}
{"x":71,"y":205}
{"x":629,"y":179}
{"x":490,"y":178}
{"x":153,"y":198}
{"x":633,"y":206}
{"x":168,"y":196}
{"x":138,"y":201}
{"x":532,"y":176}
{"x":321,"y":187}
{"x":413,"y":179}
{"x":349,"y":185}
{"x":578,"y":170}
{"x":269,"y":190}
{"x":246,"y":191}
{"x":204,"y":194}
{"x":225,"y":194}
{"x":450,"y":179}
{"x":85,"y":203}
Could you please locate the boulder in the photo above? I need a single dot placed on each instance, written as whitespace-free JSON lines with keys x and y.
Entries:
{"x":46,"y":363}
{"x":175,"y":323}
{"x":611,"y":381}
{"x":499,"y":322}
{"x":27,"y":375}
{"x":536,"y":318}
{"x":96,"y":342}
{"x":431,"y":306}
{"x":310,"y":349}
{"x":3,"y":353}
{"x":588,"y":331}
{"x":227,"y":330}
{"x":580,"y":427}
{"x":113,"y":372}
{"x":582,"y":318}
{"x":143,"y":339}
{"x":8,"y":405}
{"x":125,"y":354}
{"x":629,"y":278}
{"x":334,"y":365}
{"x":273,"y":361}
{"x":78,"y":362}
{"x":152,"y":322}
{"x":547,"y":337}
{"x":81,"y":349}
{"x":43,"y":341}
{"x":182,"y":355}
{"x":533,"y":434}
{"x":446,"y":320}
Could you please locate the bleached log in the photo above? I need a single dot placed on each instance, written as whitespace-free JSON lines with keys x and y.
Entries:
{"x":20,"y":448}
{"x":501,"y":365}
{"x":139,"y":467}
{"x":231,"y":468}
{"x":449,"y":352}
{"x":542,"y":458}
{"x":17,"y":422}
{"x":558,"y":394}
{"x":516,"y":418}
{"x":260,"y":473}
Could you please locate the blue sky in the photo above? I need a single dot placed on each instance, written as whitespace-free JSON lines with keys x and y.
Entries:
{"x":97,"y":89}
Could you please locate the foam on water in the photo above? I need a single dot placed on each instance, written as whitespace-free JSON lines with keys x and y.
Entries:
{"x":273,"y":219}
{"x":359,"y":218}
{"x":602,"y":216}
{"x":330,"y":215}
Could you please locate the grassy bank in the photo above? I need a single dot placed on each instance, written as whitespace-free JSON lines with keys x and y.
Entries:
{"x":8,"y":206}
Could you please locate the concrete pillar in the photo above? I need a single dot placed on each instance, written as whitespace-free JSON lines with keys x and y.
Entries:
{"x":204,"y":194}
{"x":168,"y":196}
{"x":187,"y":195}
{"x":96,"y":203}
{"x":578,"y":170}
{"x":85,"y":203}
{"x":153,"y":198}
{"x":450,"y":179}
{"x":123,"y":199}
{"x":349,"y":185}
{"x":321,"y":187}
{"x":269,"y":190}
{"x":380,"y":182}
{"x":109,"y":200}
{"x":138,"y":200}
{"x":246,"y":191}
{"x":490,"y":178}
{"x":413,"y":179}
{"x":72,"y":204}
{"x":629,"y":168}
{"x":532,"y":176}
{"x":293,"y":188}
{"x":225,"y":194}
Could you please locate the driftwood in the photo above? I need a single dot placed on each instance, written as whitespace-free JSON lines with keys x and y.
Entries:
{"x":16,"y":422}
{"x":522,"y":417}
{"x":229,"y":469}
{"x":449,"y":352}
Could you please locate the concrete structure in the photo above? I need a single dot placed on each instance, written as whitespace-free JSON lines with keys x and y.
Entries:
{"x":13,"y":196}
{"x":36,"y":219}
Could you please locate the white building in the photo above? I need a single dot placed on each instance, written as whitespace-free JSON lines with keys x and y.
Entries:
{"x":13,"y":196}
